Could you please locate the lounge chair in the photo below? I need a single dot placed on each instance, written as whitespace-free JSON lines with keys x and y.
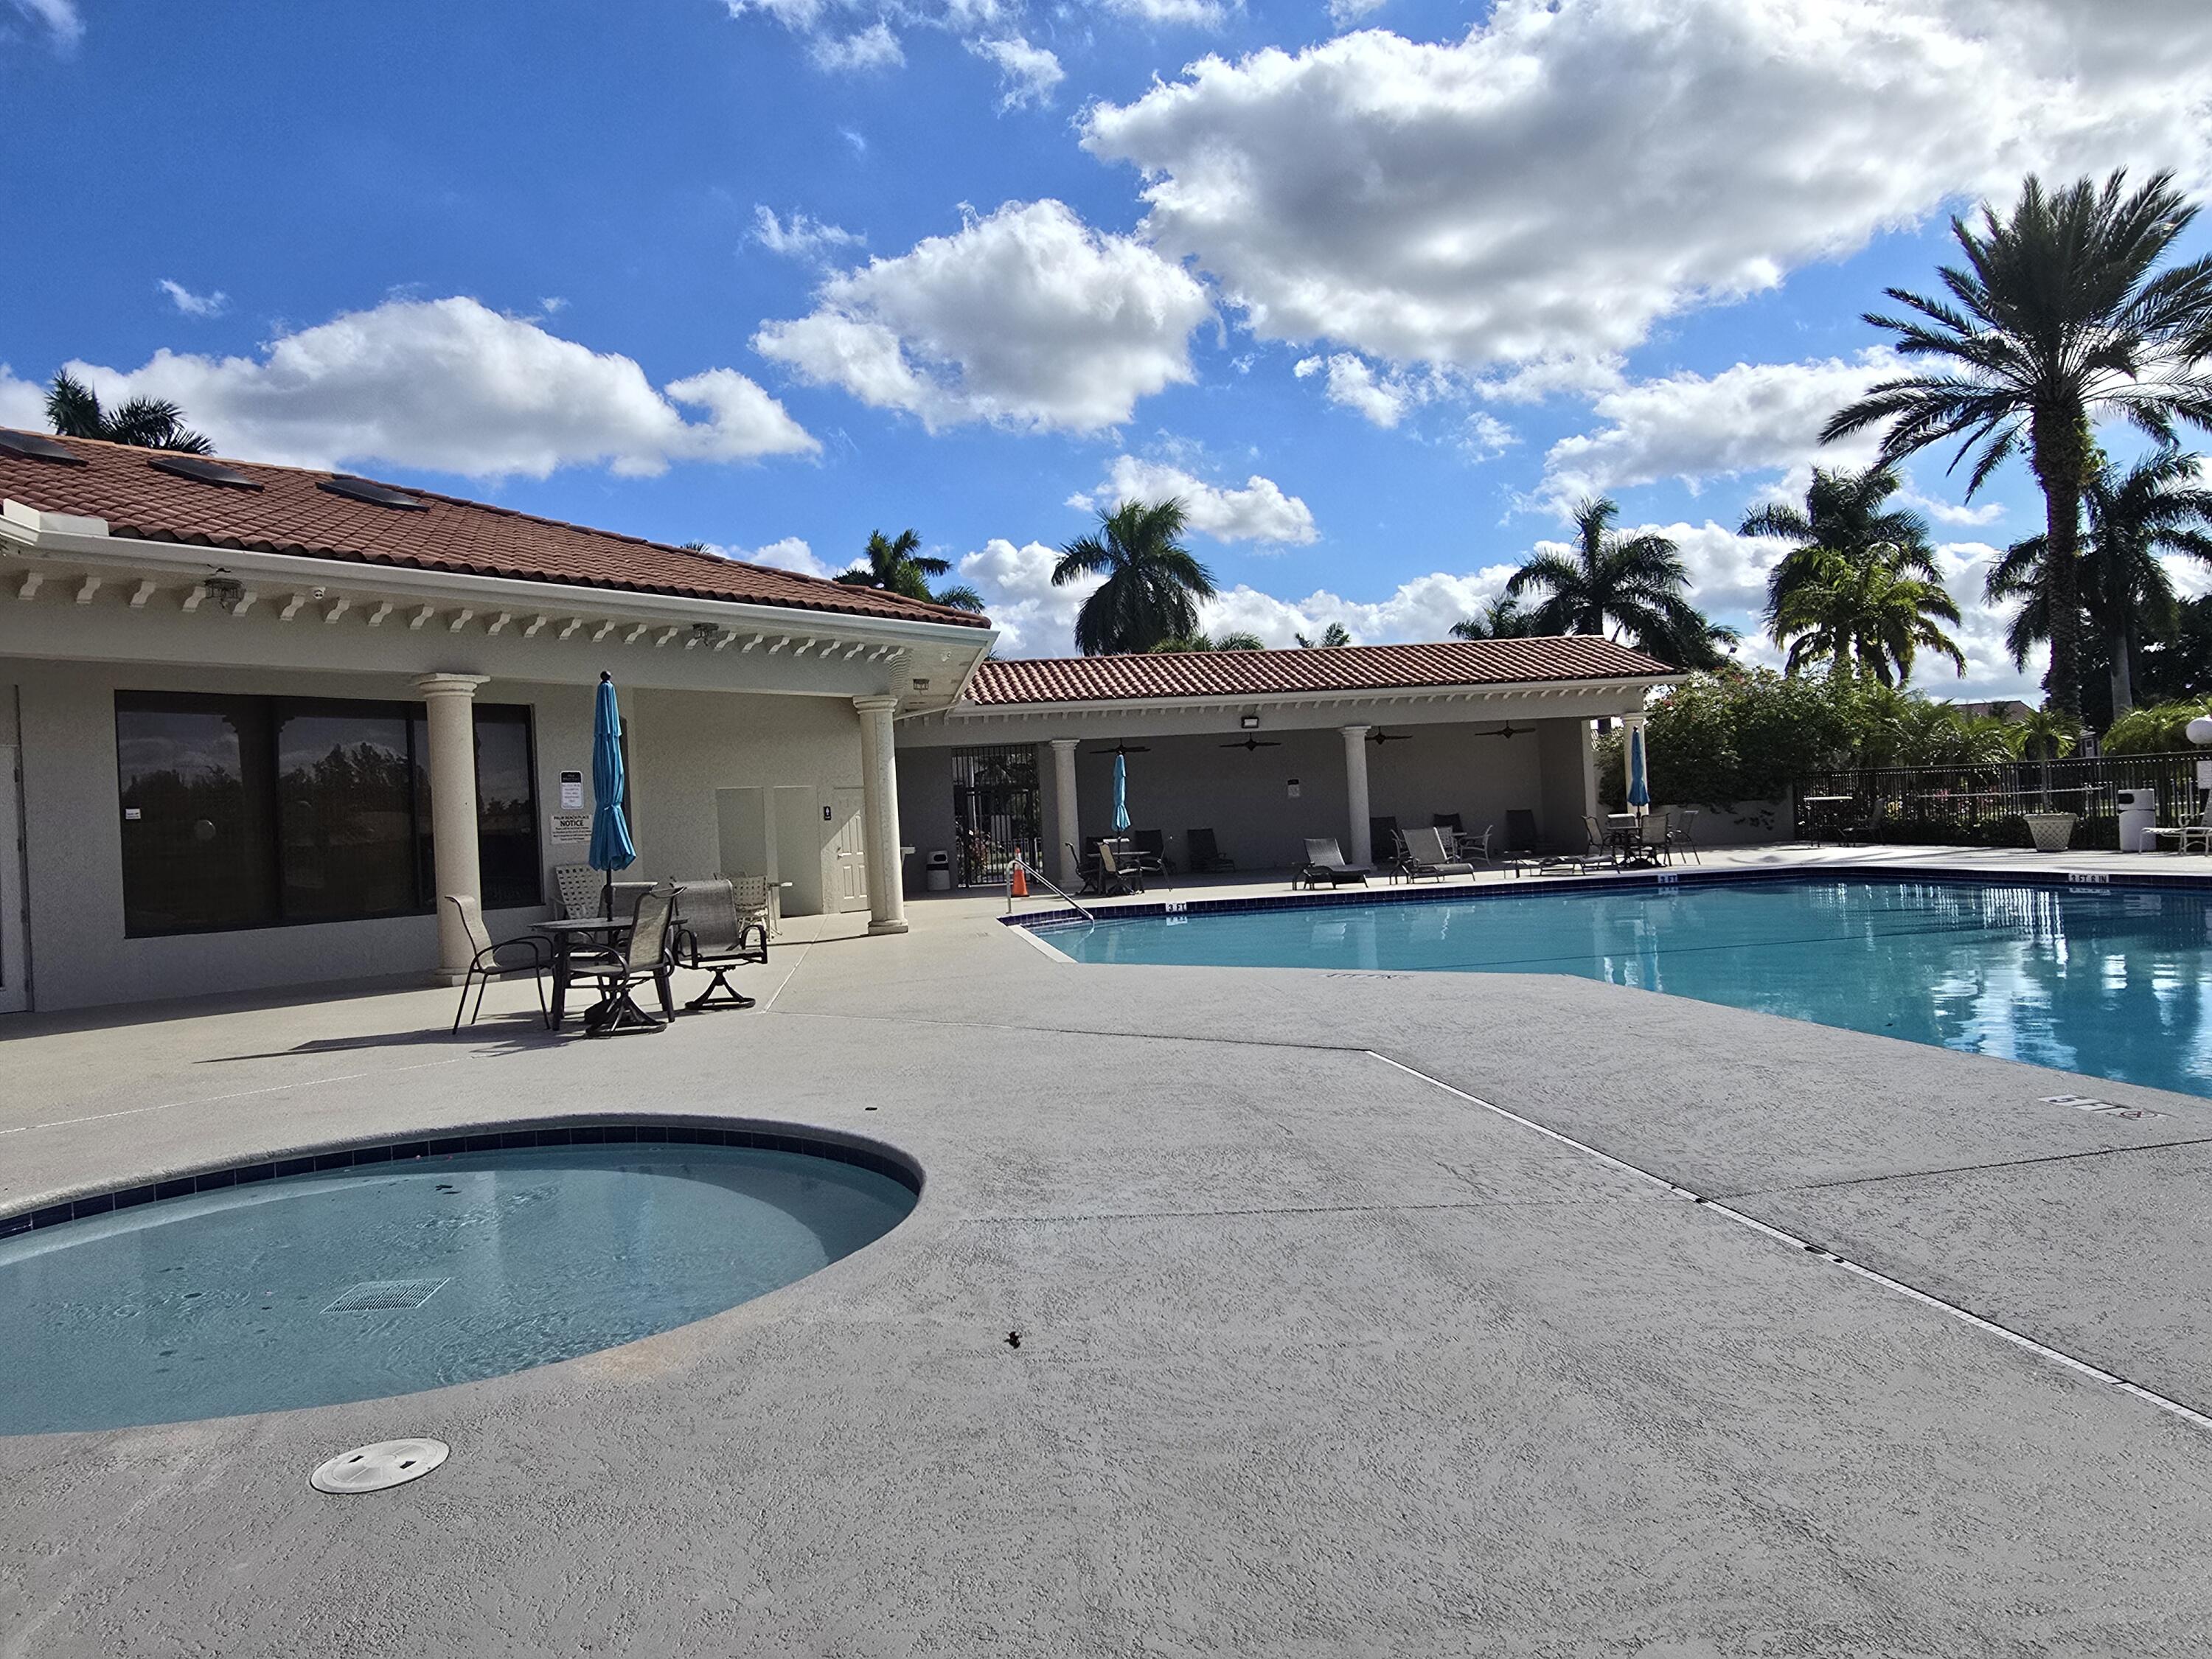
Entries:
{"x":1426,"y":855}
{"x":529,"y":954}
{"x":1204,"y":853}
{"x":2185,"y":835}
{"x":1325,"y":863}
{"x":715,"y":936}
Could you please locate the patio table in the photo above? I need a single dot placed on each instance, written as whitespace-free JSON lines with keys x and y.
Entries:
{"x":590,"y":932}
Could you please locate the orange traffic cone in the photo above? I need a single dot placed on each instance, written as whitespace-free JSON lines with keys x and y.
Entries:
{"x":1018,"y":880}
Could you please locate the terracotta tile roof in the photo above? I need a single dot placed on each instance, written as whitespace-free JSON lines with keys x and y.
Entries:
{"x":289,"y":513}
{"x":1330,"y":668}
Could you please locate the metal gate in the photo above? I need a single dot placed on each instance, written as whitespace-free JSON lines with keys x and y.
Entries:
{"x":998,"y":811}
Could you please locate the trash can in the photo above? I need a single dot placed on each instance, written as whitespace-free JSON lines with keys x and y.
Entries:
{"x":2138,"y":812}
{"x":936,"y":874}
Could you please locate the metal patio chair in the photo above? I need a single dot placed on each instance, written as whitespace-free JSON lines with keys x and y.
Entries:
{"x":714,"y":937}
{"x":643,"y":957}
{"x":528,"y":954}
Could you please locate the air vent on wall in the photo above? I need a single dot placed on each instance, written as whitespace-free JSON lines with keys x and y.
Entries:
{"x":213,"y":472}
{"x":365,"y":489}
{"x":29,"y":446}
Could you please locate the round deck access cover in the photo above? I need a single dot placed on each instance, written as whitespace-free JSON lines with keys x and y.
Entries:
{"x":387,"y":1463}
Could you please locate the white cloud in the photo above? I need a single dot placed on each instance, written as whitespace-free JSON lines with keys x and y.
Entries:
{"x":192,"y":304}
{"x":22,"y":405}
{"x":1034,"y":618}
{"x":792,"y":553}
{"x":874,"y":47}
{"x":1354,"y":384}
{"x":1422,"y":608}
{"x":1540,"y":191}
{"x":1343,"y":12}
{"x":803,"y":237}
{"x":60,"y":17}
{"x":1027,"y":73}
{"x":1027,"y":318}
{"x":1751,"y":417}
{"x":552,"y":305}
{"x":450,"y":386}
{"x":1195,"y":13}
{"x":1484,"y":437}
{"x":1259,"y":511}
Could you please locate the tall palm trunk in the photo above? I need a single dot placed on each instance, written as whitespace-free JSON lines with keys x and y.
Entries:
{"x":2124,"y":683}
{"x":2059,"y":441}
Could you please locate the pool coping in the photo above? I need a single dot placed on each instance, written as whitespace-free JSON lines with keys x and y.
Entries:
{"x":563,"y":1129}
{"x":1040,"y":923}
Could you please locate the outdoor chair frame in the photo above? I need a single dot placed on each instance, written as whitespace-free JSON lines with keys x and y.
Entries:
{"x":1325,"y":863}
{"x":715,"y":937}
{"x":646,"y":957}
{"x":1426,"y":856}
{"x":485,"y":964}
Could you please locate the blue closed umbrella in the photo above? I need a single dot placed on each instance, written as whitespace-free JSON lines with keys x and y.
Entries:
{"x":1121,"y":791}
{"x":1639,"y":787}
{"x":611,"y":847}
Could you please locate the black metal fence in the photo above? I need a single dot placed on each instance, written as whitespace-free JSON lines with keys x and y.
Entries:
{"x":997,"y":811}
{"x":1987,"y":805}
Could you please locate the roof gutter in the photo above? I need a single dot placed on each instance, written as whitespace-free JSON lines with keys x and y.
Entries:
{"x":77,"y":537}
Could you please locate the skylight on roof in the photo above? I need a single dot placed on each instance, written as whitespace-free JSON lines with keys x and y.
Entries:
{"x":213,"y":472}
{"x":377,"y":495}
{"x":29,"y":446}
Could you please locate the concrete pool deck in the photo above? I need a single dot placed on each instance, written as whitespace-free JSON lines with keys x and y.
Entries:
{"x":1318,"y":1356}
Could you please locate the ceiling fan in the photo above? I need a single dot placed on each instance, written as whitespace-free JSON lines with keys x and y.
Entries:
{"x":1250,"y":743}
{"x":1379,"y":736}
{"x":1506,"y":731}
{"x":1125,"y":749}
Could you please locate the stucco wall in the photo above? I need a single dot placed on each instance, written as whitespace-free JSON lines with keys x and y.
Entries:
{"x":924,"y":792}
{"x":683,"y":745}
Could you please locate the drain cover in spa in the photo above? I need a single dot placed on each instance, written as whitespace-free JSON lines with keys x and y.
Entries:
{"x":387,"y":1463}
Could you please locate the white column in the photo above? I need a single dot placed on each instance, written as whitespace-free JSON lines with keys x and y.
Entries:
{"x":1633,"y":723}
{"x":1587,"y":760}
{"x":880,"y":806}
{"x":1359,"y":849}
{"x":450,"y":700}
{"x":1065,"y":829}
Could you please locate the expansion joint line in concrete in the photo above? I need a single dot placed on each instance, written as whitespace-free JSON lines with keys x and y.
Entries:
{"x":1973,"y":1169}
{"x":1727,"y":1212}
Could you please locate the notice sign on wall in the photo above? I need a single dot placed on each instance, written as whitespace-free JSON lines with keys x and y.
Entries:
{"x":571,"y":791}
{"x":571,"y":829}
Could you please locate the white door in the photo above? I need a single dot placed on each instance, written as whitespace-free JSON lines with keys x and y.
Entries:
{"x":14,"y":943}
{"x":848,"y":852}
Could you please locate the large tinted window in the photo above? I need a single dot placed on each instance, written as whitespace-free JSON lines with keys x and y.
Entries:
{"x":198,"y":797}
{"x":246,"y":811}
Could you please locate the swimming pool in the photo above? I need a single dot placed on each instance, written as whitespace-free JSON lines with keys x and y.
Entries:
{"x":2111,"y":981}
{"x":407,"y":1269}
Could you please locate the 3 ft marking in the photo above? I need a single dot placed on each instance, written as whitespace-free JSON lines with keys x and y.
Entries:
{"x":1175,"y":907}
{"x":1670,"y":879}
{"x":2089,"y":878}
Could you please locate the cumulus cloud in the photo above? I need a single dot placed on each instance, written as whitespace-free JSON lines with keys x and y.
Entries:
{"x":1352,"y":383}
{"x":1027,"y":73}
{"x":21,"y":403}
{"x":1751,"y":417}
{"x":450,"y":386}
{"x":792,"y":553}
{"x":194,"y":304}
{"x":1034,"y":618}
{"x":1343,"y":12}
{"x":874,"y":47}
{"x":1259,"y":511}
{"x":1027,"y":318}
{"x":801,"y":236}
{"x":1475,"y":203}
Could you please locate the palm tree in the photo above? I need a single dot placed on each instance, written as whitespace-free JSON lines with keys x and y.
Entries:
{"x":2057,"y":318}
{"x":1152,"y":584}
{"x":73,"y":411}
{"x":897,"y":565}
{"x":1500,"y":619}
{"x":2156,"y":504}
{"x":1864,"y":614}
{"x":1206,"y":642}
{"x":1334,"y":634}
{"x":1843,"y":514}
{"x":1619,"y":585}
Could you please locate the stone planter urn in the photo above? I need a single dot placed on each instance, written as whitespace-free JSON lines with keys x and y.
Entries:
{"x":2053,"y":831}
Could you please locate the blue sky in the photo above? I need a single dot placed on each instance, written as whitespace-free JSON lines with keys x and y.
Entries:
{"x":1379,"y":289}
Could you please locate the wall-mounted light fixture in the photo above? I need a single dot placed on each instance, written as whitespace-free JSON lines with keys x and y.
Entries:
{"x":227,"y":592}
{"x":1250,"y":722}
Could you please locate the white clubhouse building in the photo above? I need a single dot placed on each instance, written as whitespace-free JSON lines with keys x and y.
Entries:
{"x":250,"y":716}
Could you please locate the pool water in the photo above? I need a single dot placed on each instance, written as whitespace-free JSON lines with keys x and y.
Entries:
{"x":356,"y":1283}
{"x":2112,"y":981}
